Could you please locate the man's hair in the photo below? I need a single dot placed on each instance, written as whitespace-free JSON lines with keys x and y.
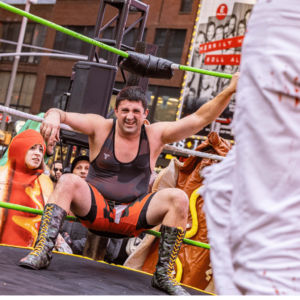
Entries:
{"x":132,"y":93}
{"x":55,"y":162}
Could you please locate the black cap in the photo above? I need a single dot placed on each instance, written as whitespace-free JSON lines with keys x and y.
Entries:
{"x":77,"y":159}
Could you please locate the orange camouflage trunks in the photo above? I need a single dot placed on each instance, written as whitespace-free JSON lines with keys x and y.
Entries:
{"x":116,"y":220}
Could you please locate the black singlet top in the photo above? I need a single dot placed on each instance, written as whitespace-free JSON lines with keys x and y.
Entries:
{"x":121,"y":182}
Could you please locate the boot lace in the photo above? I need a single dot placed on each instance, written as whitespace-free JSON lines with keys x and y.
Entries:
{"x":174,"y":254}
{"x":47,"y":216}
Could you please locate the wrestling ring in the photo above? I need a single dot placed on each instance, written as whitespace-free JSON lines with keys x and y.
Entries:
{"x":72,"y":274}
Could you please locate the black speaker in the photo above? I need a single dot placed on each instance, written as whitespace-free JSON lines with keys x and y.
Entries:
{"x":90,"y":93}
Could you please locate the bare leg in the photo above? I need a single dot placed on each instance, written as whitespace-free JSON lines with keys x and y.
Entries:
{"x":72,"y":193}
{"x":169,"y":207}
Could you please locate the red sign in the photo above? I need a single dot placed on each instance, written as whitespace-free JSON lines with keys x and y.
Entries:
{"x":222,"y":11}
{"x":222,"y":44}
{"x":223,"y":59}
{"x":8,"y":118}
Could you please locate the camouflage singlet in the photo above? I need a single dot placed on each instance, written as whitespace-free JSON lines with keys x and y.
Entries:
{"x":121,"y":182}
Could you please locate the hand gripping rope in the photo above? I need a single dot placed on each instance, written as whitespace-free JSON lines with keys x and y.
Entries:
{"x":144,"y":62}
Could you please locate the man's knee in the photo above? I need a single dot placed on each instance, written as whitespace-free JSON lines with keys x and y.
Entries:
{"x":180,"y":200}
{"x":70,"y":182}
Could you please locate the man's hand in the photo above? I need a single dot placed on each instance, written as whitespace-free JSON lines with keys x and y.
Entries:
{"x":50,"y":126}
{"x":233,"y":82}
{"x":176,"y":131}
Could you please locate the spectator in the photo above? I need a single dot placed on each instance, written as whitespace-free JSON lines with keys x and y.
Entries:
{"x":80,"y":166}
{"x":75,"y":233}
{"x":35,"y":126}
{"x":56,"y":172}
{"x":23,"y":183}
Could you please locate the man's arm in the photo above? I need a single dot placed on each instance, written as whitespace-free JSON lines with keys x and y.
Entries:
{"x":85,"y":123}
{"x":176,"y":131}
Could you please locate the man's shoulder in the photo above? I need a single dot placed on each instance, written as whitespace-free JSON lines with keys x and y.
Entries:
{"x":102,"y":126}
{"x":154,"y":131}
{"x":101,"y":121}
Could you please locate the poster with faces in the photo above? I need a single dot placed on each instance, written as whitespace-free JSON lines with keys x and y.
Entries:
{"x":216,"y":46}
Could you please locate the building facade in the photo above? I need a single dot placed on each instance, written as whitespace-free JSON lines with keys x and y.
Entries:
{"x":41,"y":81}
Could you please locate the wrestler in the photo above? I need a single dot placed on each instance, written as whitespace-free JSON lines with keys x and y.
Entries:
{"x":113,"y":200}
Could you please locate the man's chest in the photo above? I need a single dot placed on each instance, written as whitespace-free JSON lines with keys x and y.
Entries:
{"x":126,"y":151}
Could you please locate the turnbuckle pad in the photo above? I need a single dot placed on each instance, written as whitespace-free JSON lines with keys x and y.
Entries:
{"x":146,"y":65}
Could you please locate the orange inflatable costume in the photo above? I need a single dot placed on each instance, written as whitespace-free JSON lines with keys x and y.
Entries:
{"x":197,"y":271}
{"x":23,"y":186}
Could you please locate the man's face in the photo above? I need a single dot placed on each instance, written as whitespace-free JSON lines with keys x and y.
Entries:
{"x":50,"y":147}
{"x":56,"y":172}
{"x":130,"y":115}
{"x":82,"y":168}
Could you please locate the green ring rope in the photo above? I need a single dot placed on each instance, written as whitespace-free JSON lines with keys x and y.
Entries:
{"x":74,"y":219}
{"x":95,"y":43}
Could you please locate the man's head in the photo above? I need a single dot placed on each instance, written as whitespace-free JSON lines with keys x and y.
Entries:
{"x":80,"y":166}
{"x":50,"y":147}
{"x":131,"y":109}
{"x":56,"y":171}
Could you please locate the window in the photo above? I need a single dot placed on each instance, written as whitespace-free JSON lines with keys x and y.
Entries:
{"x":170,"y":43}
{"x":22,"y":92}
{"x":34,"y":35}
{"x":55,"y":86}
{"x":165,"y":103}
{"x":186,"y":6}
{"x":64,"y":42}
{"x":128,"y":39}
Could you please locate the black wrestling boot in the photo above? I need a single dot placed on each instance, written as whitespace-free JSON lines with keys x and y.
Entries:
{"x":52,"y":221}
{"x":169,"y":246}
